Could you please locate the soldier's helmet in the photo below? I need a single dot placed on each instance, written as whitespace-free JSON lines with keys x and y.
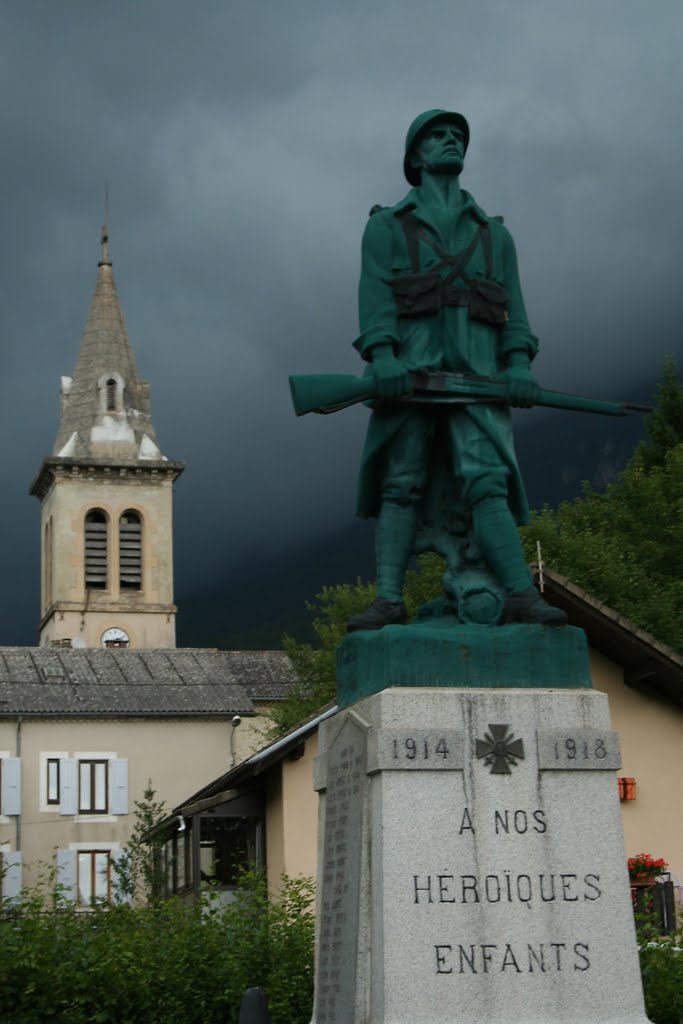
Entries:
{"x":419,"y":126}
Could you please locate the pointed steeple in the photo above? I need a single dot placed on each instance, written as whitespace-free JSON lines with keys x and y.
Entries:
{"x":105,"y":406}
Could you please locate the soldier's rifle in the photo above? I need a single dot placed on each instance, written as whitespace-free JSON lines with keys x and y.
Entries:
{"x":329,"y":392}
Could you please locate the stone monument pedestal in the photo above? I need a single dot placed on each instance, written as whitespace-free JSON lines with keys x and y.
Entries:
{"x":472,"y":863}
{"x":445,"y":653}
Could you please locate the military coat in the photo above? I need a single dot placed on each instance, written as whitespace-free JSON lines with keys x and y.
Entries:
{"x":446,"y":340}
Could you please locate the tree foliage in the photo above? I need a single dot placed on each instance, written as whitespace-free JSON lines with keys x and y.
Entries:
{"x":160,"y":963}
{"x":665,"y":424}
{"x":661,"y":968}
{"x":139,"y":872}
{"x":625,"y":545}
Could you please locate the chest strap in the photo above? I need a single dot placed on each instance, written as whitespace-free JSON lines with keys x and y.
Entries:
{"x":415,"y":234}
{"x":424,"y":292}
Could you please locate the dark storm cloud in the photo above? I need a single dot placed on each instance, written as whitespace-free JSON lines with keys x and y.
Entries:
{"x":244,"y":144}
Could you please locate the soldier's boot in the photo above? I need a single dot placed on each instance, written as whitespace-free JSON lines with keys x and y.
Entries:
{"x":529,"y":606}
{"x":379,"y":614}
{"x":394,"y":539}
{"x":497,"y":536}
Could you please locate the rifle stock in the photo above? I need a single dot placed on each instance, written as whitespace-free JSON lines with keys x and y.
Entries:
{"x":329,"y":392}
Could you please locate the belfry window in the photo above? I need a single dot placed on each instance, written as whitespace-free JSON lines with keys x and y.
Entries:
{"x":130,"y":551}
{"x":110,"y":388}
{"x":96,"y":529}
{"x":111,"y":394}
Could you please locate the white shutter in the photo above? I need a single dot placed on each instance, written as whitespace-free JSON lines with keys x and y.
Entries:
{"x":119,"y":785}
{"x":11,"y":785}
{"x":118,"y":896}
{"x":11,"y":881}
{"x":68,"y":786}
{"x":66,"y":874}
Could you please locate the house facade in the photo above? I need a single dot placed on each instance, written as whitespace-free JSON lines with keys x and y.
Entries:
{"x":83,"y":733}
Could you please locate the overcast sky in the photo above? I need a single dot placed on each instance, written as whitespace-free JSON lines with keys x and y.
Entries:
{"x":244,"y":142}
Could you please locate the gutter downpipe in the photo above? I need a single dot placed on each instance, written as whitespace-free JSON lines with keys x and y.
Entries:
{"x":18,"y":754}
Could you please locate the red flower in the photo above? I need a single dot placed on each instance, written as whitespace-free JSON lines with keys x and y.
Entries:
{"x":644,"y":865}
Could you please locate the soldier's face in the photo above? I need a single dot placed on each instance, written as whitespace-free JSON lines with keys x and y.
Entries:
{"x":441,"y":150}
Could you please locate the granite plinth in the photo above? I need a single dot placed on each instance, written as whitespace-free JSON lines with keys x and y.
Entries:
{"x":472,"y":863}
{"x":434,"y":654}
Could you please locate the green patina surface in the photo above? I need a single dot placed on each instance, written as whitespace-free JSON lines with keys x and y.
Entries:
{"x":520,"y":656}
{"x":439,"y":290}
{"x":441,"y":306}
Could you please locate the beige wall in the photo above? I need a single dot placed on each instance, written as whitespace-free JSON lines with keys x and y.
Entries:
{"x":147,"y":615}
{"x":292,"y":818}
{"x":145,"y":629}
{"x":179,"y":756}
{"x":275,"y":814}
{"x":651,"y":738}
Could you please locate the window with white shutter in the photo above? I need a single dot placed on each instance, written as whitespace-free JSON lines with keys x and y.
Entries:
{"x":119,"y":785}
{"x":66,"y":875}
{"x":91,"y":784}
{"x":68,"y":786}
{"x":10,"y":785}
{"x":11,"y":876}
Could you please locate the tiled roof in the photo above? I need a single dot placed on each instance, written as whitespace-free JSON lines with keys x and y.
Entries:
{"x":50,"y":681}
{"x":265,"y":675}
{"x":647,"y":663}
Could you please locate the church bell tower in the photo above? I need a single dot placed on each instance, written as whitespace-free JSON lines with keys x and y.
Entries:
{"x":107,"y":498}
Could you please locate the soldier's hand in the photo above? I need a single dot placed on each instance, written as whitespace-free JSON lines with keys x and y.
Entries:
{"x":522,"y":386}
{"x":391,"y":375}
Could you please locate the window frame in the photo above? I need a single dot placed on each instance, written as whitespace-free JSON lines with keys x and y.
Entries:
{"x":136,"y":557}
{"x":51,"y":762}
{"x":175,"y":868}
{"x":45,"y":806}
{"x":93,"y":763}
{"x":111,"y":388}
{"x":90,"y":568}
{"x":93,"y":854}
{"x":248,"y":827}
{"x":110,"y":399}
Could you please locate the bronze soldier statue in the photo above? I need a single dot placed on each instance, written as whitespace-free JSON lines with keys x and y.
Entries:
{"x":439,"y":291}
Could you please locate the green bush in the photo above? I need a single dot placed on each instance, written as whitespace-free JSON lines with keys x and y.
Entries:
{"x":163,"y":963}
{"x":661,"y":966}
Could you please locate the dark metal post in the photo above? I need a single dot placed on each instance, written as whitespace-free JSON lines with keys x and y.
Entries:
{"x":254,"y":1008}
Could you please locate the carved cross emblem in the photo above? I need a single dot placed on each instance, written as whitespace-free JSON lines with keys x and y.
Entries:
{"x":499,"y":749}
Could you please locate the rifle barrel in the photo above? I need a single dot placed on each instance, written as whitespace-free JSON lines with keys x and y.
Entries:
{"x":576,"y":403}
